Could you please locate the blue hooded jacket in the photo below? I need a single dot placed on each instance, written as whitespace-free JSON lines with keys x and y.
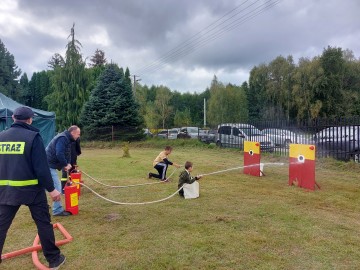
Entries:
{"x":58,"y":151}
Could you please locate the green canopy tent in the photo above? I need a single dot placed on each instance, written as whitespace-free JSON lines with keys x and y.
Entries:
{"x":43,"y":120}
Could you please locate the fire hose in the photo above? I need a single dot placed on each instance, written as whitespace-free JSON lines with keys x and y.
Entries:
{"x":127,"y":186}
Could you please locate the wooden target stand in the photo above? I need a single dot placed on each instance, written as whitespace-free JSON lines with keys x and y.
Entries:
{"x":252,"y":159}
{"x":302,"y":166}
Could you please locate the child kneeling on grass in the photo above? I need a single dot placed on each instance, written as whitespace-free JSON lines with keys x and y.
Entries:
{"x":161,"y":164}
{"x":191,"y":186}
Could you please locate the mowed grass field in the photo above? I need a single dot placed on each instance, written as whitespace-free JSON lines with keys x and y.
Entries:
{"x":238,"y":222}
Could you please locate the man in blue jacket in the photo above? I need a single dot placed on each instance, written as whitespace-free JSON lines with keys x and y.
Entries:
{"x":58,"y":154}
{"x":75,"y":152}
{"x":24,"y":177}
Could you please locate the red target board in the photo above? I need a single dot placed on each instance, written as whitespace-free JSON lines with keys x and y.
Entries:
{"x":302,"y":166}
{"x":252,"y":158}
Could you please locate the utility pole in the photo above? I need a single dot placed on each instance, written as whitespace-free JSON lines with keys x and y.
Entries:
{"x":204,"y":112}
{"x":135,"y":80}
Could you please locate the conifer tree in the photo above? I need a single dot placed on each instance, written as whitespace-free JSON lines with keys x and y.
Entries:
{"x":24,"y":89}
{"x":98,"y":59}
{"x":9,"y":74}
{"x":127,"y":76}
{"x":69,"y":84}
{"x":112,"y":104}
{"x":56,"y":61}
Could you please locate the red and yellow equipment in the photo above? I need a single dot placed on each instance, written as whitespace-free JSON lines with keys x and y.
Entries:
{"x":71,"y":197}
{"x":302,"y":166}
{"x":76,"y":178}
{"x":252,"y":158}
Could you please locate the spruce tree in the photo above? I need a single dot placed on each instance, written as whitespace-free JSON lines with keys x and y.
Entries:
{"x":98,"y":59}
{"x":24,"y":89}
{"x":56,"y":61}
{"x":112,"y":104}
{"x":9,"y":74}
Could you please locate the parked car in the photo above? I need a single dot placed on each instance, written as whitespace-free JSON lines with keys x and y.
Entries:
{"x":189,"y":133}
{"x":208,"y":136}
{"x":173,"y":133}
{"x":162,"y":134}
{"x":339,"y":142}
{"x":284,"y":137}
{"x":234,"y":135}
{"x":147,"y":132}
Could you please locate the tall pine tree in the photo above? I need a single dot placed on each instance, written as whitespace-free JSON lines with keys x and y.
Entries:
{"x":24,"y":89}
{"x":69,"y":84}
{"x":9,"y":74}
{"x":98,"y":59}
{"x":112,"y":104}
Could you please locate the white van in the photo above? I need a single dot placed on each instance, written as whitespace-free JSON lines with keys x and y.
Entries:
{"x":234,"y":135}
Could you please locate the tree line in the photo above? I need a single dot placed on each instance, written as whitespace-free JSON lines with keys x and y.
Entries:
{"x":325,"y":86}
{"x":100,"y":94}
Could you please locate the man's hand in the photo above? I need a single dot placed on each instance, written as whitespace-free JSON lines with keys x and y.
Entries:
{"x":67,"y":167}
{"x":55,"y":195}
{"x":199,"y":176}
{"x":177,"y":165}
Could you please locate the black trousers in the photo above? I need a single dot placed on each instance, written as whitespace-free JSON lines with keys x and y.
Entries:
{"x":40,"y":213}
{"x":161,"y":168}
{"x":63,"y":181}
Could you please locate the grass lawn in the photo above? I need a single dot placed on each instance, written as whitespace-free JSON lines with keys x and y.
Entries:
{"x":239,"y":221}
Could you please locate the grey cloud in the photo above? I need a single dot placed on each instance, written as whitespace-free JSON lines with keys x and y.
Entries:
{"x":155,"y":27}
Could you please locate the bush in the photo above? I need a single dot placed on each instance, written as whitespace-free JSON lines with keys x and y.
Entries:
{"x":126,"y":149}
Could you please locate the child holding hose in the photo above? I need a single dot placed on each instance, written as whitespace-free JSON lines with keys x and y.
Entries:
{"x":186,"y":178}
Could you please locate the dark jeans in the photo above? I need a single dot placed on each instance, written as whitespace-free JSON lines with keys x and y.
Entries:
{"x":39,"y":210}
{"x":161,"y":168}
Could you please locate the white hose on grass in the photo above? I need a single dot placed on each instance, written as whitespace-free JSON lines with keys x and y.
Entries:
{"x":127,"y":186}
{"x":241,"y":167}
{"x":130,"y":203}
{"x":160,"y":200}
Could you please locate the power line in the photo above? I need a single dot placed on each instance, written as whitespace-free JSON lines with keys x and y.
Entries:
{"x":197,"y":41}
{"x":188,"y":41}
{"x":204,"y":41}
{"x":214,"y":36}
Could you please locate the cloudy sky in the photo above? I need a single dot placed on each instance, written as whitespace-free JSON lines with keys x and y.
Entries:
{"x":179,"y":44}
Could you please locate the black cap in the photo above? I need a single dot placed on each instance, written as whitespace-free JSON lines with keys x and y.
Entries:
{"x":23,"y":113}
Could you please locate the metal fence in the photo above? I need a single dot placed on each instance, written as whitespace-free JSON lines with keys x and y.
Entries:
{"x":112,"y":133}
{"x":336,"y":137}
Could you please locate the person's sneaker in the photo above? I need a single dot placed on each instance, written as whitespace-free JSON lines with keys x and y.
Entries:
{"x":56,"y":265}
{"x":150,"y":175}
{"x":63,"y":214}
{"x":165,"y":180}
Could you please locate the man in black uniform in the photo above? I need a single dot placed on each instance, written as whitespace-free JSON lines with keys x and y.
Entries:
{"x":24,"y":176}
